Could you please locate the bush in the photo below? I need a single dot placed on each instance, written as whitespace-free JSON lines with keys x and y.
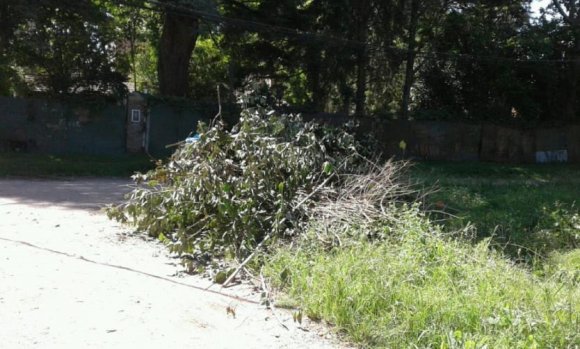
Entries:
{"x":559,"y":229}
{"x":223,"y":194}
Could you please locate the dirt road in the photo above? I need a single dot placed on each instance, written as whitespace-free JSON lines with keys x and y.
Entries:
{"x":69,"y":278}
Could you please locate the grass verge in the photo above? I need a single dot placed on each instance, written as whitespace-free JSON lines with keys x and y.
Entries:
{"x":521,"y":207}
{"x":422,"y":285}
{"x":419,"y":288}
{"x":37,"y":165}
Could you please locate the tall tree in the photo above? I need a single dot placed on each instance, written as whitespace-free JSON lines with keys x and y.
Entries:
{"x":362,"y":13}
{"x":131,"y":19}
{"x":333,"y":54}
{"x":570,"y":12}
{"x":69,"y":47}
{"x":410,"y":65}
{"x":472,"y":69}
{"x":181,"y":29}
{"x":178,"y":38}
{"x":13,"y":13}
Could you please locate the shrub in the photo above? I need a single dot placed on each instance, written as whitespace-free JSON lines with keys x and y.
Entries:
{"x":559,"y":229}
{"x":224,"y":193}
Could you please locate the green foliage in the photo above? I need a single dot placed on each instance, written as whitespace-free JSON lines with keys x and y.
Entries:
{"x":564,"y":262}
{"x":559,"y":229}
{"x":146,"y":63}
{"x":139,"y":30}
{"x":487,"y":88}
{"x":418,"y":288}
{"x":209,"y":66}
{"x":69,"y":49}
{"x":321,"y":56}
{"x":223,"y":194}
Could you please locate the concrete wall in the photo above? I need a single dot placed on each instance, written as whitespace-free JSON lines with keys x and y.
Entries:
{"x":503,"y":144}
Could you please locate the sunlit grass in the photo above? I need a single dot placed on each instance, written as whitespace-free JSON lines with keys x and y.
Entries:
{"x":426,"y":286}
{"x":510,"y":203}
{"x":421,"y":289}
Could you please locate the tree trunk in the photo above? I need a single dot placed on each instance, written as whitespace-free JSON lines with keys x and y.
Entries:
{"x":410,"y":69}
{"x":175,"y":49}
{"x":313,"y":71}
{"x":571,"y":106}
{"x":362,"y":57}
{"x":361,"y":82}
{"x":132,"y":42}
{"x":346,"y":96}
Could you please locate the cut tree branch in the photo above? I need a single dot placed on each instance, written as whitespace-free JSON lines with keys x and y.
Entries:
{"x":257,"y":249}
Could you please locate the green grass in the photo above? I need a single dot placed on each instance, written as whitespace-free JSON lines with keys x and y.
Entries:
{"x":36,"y":165}
{"x":426,"y":286}
{"x":419,"y":289}
{"x":514,"y":204}
{"x":450,"y":172}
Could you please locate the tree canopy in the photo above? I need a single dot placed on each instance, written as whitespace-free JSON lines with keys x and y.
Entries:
{"x":437,"y":59}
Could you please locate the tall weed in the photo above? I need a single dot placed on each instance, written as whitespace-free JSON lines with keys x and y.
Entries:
{"x":387,"y":276}
{"x":419,"y":288}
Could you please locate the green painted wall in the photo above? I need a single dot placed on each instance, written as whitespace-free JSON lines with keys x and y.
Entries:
{"x":169,"y":124}
{"x":72,"y":126}
{"x":97,"y":126}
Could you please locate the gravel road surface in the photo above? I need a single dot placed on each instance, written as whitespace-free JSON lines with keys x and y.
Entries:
{"x":70,"y":278}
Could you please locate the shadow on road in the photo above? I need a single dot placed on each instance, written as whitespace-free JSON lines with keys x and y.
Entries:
{"x":90,"y":194}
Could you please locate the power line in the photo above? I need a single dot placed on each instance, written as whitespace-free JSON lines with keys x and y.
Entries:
{"x":238,"y":22}
{"x":163,"y":7}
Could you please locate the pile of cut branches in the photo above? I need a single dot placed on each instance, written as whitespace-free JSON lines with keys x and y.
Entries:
{"x":224,"y":194}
